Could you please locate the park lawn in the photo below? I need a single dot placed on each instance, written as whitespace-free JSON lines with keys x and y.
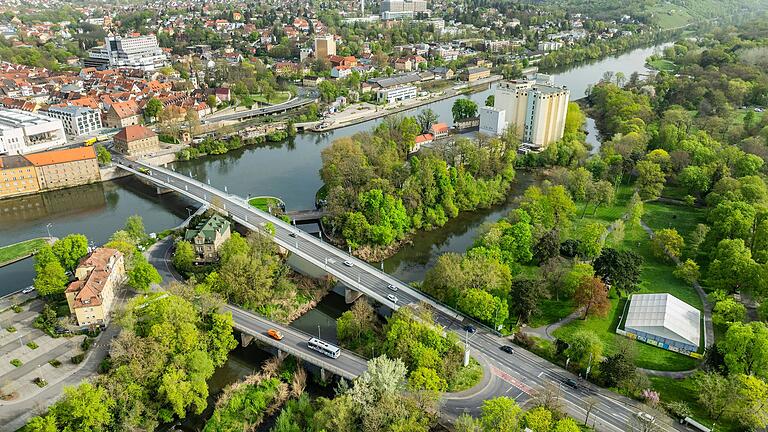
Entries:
{"x":552,"y":311}
{"x":671,"y":389}
{"x":737,"y":117}
{"x":668,"y":18}
{"x":683,"y":218}
{"x":21,"y":249}
{"x":277,"y":98}
{"x":263,"y":203}
{"x":663,"y":65}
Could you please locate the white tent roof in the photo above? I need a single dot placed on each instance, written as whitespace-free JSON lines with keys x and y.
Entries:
{"x":666,"y":316}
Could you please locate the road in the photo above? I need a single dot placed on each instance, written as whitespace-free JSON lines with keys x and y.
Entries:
{"x":523,"y":371}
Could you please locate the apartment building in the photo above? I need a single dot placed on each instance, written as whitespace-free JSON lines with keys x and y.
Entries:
{"x":133,"y":52}
{"x":536,"y":110}
{"x":24,"y":132}
{"x":65,"y":168}
{"x":325,"y":46}
{"x":396,"y":94}
{"x":122,"y":114}
{"x":76,"y":120}
{"x":91,"y":295}
{"x":17,"y":176}
{"x":136,"y":140}
{"x":399,"y":9}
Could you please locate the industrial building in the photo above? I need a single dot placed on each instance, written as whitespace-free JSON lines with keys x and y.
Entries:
{"x":665,"y":321}
{"x":536,"y":110}
{"x":24,"y":132}
{"x":134,"y":52}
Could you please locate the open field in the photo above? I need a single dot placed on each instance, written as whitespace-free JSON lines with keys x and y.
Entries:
{"x":21,"y":249}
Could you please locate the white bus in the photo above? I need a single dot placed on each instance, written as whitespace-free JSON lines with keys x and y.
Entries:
{"x":324,"y":347}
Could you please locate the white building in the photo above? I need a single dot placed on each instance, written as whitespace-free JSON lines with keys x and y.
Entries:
{"x":23,"y":132}
{"x":492,"y":121}
{"x":665,"y":321}
{"x":340,"y":72}
{"x":140,"y":52}
{"x":537,"y":111}
{"x":76,"y":120}
{"x":396,"y":94}
{"x":398,"y":9}
{"x":549,"y":46}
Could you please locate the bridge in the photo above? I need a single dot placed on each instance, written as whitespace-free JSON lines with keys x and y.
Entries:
{"x":521,"y":374}
{"x":300,"y":216}
{"x":294,"y":342}
{"x":257,"y":112}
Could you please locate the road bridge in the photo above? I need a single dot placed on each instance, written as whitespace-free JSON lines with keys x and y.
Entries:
{"x":520,"y":375}
{"x":300,"y":216}
{"x":258,"y":112}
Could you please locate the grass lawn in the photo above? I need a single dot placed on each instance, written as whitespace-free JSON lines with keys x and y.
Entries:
{"x":663,"y":65}
{"x":683,"y":218}
{"x":683,"y":390}
{"x":277,"y":98}
{"x":467,"y":377}
{"x":263,"y":203}
{"x":17,"y":250}
{"x":666,"y":17}
{"x":552,"y":311}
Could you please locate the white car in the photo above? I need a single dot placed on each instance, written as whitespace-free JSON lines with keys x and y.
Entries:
{"x":392,"y":287}
{"x":645,"y":417}
{"x":392,"y":298}
{"x":28,"y":290}
{"x":348,"y":263}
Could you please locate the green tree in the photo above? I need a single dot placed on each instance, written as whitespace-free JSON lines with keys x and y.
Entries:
{"x":635,"y":209}
{"x":728,"y":311}
{"x":51,"y":279}
{"x":184,"y":256}
{"x":426,"y":119}
{"x":575,"y":276}
{"x":751,"y":410}
{"x":103,"y":155}
{"x":500,"y":414}
{"x":732,"y":268}
{"x":650,"y":179}
{"x":426,"y":379}
{"x":745,"y":348}
{"x":582,"y":344}
{"x":153,"y":108}
{"x":620,"y":268}
{"x":143,"y":274}
{"x":490,"y":100}
{"x":566,"y":425}
{"x":85,"y":408}
{"x":591,"y":238}
{"x":538,"y":419}
{"x":463,"y":108}
{"x":714,"y":392}
{"x":484,"y":306}
{"x":687,"y":271}
{"x":134,"y":226}
{"x":667,"y":244}
{"x":463,"y":423}
{"x":70,"y":249}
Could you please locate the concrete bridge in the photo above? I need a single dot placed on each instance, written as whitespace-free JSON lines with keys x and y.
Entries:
{"x":258,"y":112}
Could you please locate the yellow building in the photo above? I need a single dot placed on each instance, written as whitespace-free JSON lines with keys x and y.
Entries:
{"x":65,"y":168}
{"x":136,"y":140}
{"x":325,"y":46}
{"x":17,"y":176}
{"x":91,"y":295}
{"x":537,"y":111}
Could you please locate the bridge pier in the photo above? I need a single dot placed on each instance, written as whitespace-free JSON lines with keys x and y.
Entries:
{"x":245,"y":339}
{"x":351,"y":295}
{"x":281,"y":355}
{"x":325,"y":376}
{"x":161,"y":190}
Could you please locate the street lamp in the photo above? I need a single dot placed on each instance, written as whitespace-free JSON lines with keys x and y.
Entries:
{"x":318,"y":331}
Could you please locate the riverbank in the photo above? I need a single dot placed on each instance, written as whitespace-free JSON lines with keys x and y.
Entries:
{"x":372,"y":112}
{"x":22,"y":250}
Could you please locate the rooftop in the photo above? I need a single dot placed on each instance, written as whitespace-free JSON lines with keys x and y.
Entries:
{"x":61,"y":156}
{"x":664,"y":315}
{"x":14,"y":119}
{"x":208,"y":229}
{"x":100,"y":262}
{"x":134,"y":133}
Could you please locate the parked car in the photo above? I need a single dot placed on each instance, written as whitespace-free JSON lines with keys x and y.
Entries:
{"x":274,"y":334}
{"x":507,"y":349}
{"x":470,"y":329}
{"x":28,"y":290}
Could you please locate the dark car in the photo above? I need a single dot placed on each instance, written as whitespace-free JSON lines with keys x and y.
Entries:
{"x":570,"y":382}
{"x":470,"y":329}
{"x":507,"y":349}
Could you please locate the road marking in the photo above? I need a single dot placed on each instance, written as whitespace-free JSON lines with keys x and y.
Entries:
{"x":510,"y":379}
{"x":508,"y":390}
{"x":518,"y":396}
{"x":540,"y":374}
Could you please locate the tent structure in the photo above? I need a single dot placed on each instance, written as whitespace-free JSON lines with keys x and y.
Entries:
{"x":665,"y":319}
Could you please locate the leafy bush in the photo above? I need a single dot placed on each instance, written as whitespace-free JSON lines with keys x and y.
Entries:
{"x":78,"y":358}
{"x":32,"y":345}
{"x":16,"y":308}
{"x":55,"y":363}
{"x":11,"y":329}
{"x":40,"y":382}
{"x":87,"y":343}
{"x":246,"y":406}
{"x":16,"y":362}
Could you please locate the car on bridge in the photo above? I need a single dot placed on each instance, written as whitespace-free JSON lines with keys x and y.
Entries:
{"x":348,"y":263}
{"x":392,"y":298}
{"x":275,"y":334}
{"x":392,"y":287}
{"x":570,"y":382}
{"x":507,"y":349}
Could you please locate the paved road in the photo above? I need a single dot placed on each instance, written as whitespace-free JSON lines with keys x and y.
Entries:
{"x":523,"y":371}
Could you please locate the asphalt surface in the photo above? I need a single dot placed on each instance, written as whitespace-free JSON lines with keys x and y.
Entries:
{"x":522,"y":375}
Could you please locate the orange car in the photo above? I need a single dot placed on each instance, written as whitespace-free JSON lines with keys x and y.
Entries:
{"x":274,"y":334}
